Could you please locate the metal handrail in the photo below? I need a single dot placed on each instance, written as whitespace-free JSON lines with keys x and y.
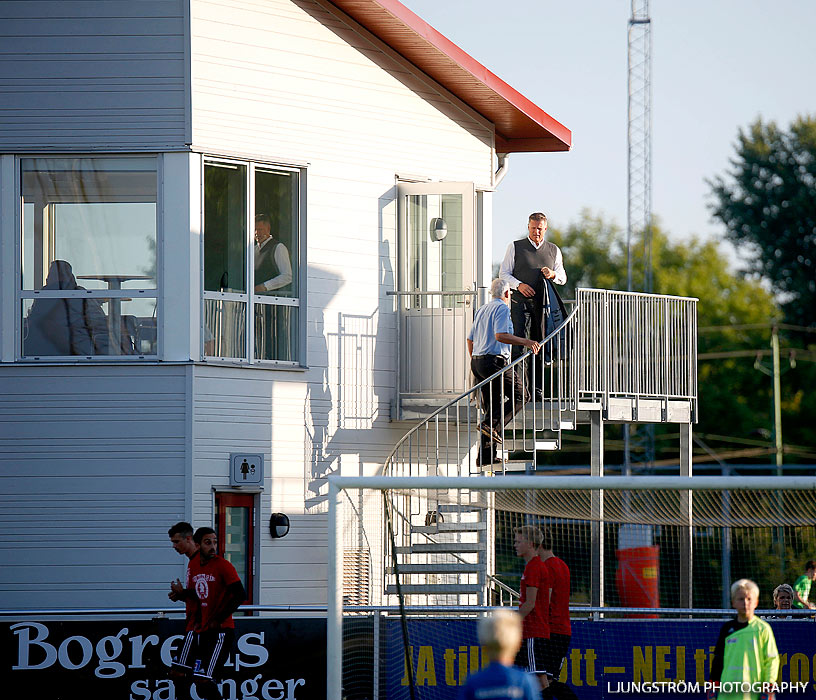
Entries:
{"x":470,"y":392}
{"x":635,"y":348}
{"x":462,"y":292}
{"x":418,"y":609}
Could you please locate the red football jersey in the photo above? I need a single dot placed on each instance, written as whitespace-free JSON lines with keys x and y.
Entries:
{"x":536,"y":623}
{"x":210,"y":581}
{"x":560,"y":595}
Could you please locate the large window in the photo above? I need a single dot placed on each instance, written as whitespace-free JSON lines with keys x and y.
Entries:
{"x":252,"y":259}
{"x":88,"y":252}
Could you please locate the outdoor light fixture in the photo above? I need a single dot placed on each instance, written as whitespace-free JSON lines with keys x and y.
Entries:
{"x":439,"y":229}
{"x":278,"y":525}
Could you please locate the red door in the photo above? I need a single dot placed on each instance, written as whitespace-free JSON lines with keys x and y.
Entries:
{"x":235,"y":526}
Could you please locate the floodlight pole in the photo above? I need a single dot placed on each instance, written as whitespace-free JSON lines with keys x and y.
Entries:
{"x":639,"y":187}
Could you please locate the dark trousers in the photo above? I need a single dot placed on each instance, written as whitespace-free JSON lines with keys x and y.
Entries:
{"x":504,"y":396}
{"x":527,"y":315}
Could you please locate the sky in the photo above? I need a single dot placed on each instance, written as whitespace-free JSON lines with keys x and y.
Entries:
{"x":717,"y":65}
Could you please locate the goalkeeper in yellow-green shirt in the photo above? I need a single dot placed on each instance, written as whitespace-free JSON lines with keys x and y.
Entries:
{"x":745,"y":656}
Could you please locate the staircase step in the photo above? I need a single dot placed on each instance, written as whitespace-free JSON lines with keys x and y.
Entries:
{"x":513,"y":466}
{"x":459,"y":508}
{"x":443,"y":548}
{"x":437,"y":588}
{"x":437,"y":569}
{"x":526,"y":446}
{"x":449,"y":527}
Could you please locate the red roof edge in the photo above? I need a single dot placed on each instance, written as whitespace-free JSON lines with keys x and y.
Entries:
{"x":559,"y":137}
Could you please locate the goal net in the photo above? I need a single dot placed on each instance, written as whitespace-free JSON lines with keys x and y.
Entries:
{"x":414,"y":562}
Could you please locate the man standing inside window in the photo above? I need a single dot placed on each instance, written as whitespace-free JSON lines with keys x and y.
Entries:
{"x":273,"y":267}
{"x":527,"y":263}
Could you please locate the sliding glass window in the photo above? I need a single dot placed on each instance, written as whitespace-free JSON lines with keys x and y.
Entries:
{"x":252,"y":240}
{"x":88,"y":252}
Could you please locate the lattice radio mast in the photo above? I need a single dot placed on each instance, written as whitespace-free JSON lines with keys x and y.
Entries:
{"x":639,"y":147}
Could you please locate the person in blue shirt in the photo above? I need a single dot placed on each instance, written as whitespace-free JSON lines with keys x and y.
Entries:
{"x":500,"y":635}
{"x":489,"y":344}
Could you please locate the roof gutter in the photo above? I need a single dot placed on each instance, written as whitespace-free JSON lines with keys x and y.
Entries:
{"x":504,"y":165}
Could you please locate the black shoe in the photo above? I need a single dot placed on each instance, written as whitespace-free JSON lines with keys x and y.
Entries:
{"x":491,"y":432}
{"x":481,"y":462}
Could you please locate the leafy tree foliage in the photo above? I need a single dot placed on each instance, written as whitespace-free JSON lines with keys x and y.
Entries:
{"x":735,"y":399}
{"x":768,"y":205}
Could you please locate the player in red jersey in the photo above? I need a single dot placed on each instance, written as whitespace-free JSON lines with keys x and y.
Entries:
{"x":535,"y":603}
{"x":181,"y":536}
{"x":559,"y":617}
{"x":219,"y":592}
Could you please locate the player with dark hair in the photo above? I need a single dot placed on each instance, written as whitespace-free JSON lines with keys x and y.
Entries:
{"x":560,"y":628}
{"x":181,"y":537}
{"x":218,"y":591}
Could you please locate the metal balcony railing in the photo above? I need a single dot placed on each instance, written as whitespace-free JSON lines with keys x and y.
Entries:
{"x":627,"y":352}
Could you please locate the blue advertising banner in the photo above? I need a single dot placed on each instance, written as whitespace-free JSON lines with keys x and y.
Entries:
{"x":607,"y":659}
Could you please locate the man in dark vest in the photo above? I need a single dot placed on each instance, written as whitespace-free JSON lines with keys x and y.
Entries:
{"x":526,"y":263}
{"x":273,"y":268}
{"x":273,"y":277}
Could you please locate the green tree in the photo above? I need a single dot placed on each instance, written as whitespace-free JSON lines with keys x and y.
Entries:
{"x":734,"y":398}
{"x":768,"y":205}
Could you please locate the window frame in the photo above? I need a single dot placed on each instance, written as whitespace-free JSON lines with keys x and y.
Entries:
{"x":20,"y":294}
{"x":249,"y":298}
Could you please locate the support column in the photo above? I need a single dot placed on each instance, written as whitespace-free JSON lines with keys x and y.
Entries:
{"x":334,"y":621}
{"x":597,"y":527}
{"x":687,"y":535}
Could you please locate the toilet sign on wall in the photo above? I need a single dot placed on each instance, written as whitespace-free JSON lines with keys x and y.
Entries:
{"x":246,"y":469}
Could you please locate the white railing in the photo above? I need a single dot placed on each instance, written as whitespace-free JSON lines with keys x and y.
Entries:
{"x":627,"y":347}
{"x":432,"y":329}
{"x":634,"y":345}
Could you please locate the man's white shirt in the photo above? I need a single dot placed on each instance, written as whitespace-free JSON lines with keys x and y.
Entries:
{"x":283,"y":263}
{"x":509,"y":262}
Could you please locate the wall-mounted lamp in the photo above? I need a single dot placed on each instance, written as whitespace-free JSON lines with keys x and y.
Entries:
{"x":278,"y":525}
{"x":439,"y":229}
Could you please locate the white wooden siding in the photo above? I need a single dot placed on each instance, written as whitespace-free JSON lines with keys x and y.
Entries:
{"x":93,"y":473}
{"x":306,"y":430}
{"x":286,"y":80}
{"x":93,"y":74}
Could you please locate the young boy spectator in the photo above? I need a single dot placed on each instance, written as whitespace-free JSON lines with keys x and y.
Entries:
{"x":500,"y":635}
{"x":801,"y":587}
{"x":783,"y":597}
{"x":783,"y":600}
{"x":534,"y":606}
{"x":746,"y":649}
